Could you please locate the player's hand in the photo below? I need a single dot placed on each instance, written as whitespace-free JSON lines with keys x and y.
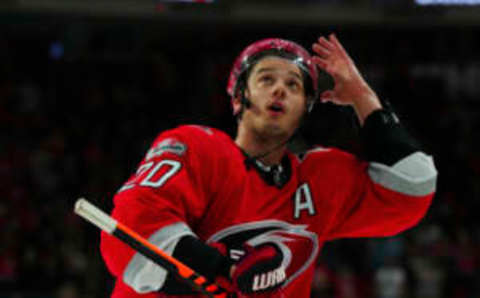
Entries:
{"x":260,"y":270}
{"x":349,"y":83}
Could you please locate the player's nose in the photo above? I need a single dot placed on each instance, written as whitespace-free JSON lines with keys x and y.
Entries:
{"x":279,"y":91}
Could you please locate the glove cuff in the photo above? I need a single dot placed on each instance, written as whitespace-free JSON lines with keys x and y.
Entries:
{"x":386,"y":140}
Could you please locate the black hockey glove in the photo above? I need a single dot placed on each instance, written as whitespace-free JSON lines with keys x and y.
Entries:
{"x":260,"y":270}
{"x":208,"y":260}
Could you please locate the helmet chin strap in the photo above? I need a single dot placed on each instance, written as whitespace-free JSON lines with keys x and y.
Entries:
{"x":246,"y":103}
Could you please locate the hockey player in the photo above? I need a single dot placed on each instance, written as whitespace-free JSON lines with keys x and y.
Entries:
{"x":248,"y":213}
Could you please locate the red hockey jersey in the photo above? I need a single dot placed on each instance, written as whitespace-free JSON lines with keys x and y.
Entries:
{"x":194,"y":180}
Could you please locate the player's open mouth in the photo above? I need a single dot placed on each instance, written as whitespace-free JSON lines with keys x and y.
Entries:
{"x":276,"y":108}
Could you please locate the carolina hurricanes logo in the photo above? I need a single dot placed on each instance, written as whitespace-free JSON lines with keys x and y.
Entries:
{"x":299,"y":246}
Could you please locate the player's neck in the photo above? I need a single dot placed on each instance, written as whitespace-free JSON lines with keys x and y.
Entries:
{"x":255,"y":146}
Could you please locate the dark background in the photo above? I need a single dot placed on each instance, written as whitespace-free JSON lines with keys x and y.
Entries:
{"x":85,"y":88}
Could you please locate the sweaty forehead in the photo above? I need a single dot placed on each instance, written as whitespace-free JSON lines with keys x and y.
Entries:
{"x":276,"y":64}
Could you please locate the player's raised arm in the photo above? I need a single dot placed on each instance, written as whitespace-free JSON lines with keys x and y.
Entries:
{"x":393,"y":189}
{"x":350,"y":87}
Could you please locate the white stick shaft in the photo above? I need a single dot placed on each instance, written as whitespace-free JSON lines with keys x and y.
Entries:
{"x":94,"y":215}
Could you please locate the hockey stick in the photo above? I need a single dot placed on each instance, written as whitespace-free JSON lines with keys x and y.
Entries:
{"x":106,"y":223}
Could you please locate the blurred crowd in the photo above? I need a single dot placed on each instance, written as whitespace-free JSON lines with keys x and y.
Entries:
{"x":79,"y":106}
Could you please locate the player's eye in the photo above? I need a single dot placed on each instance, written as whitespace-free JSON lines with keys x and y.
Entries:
{"x":266,"y":79}
{"x":294,"y":85}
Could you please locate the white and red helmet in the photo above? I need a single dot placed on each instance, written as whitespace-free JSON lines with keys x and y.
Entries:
{"x":276,"y":47}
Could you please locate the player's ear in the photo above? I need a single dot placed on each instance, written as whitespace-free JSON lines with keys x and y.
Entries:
{"x":236,"y":105}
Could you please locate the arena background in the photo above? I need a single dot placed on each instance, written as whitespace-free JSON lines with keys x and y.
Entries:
{"x":85,"y":86}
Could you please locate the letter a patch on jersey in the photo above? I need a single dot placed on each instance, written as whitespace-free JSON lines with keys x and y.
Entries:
{"x":303,"y":201}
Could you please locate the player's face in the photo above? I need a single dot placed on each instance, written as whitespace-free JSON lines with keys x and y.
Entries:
{"x":275,"y":89}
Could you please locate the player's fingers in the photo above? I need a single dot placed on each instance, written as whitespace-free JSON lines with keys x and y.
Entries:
{"x":337,"y":43}
{"x":320,"y":50}
{"x":321,"y":62}
{"x":326,"y":43}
